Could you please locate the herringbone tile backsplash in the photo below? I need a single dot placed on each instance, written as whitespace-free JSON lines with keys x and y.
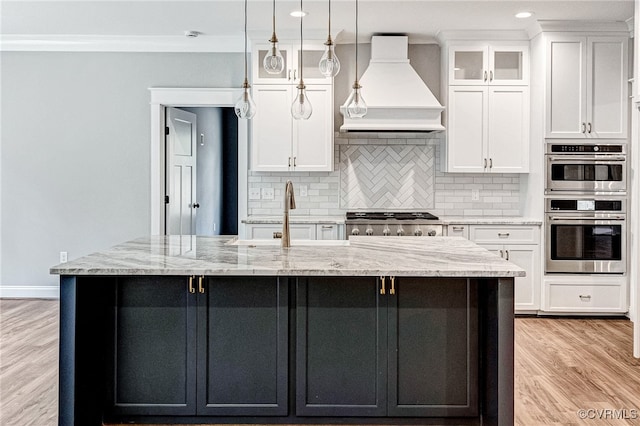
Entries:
{"x":386,"y":176}
{"x":390,"y":171}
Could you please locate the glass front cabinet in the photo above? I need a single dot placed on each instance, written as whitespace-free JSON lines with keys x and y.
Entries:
{"x":489,"y":65}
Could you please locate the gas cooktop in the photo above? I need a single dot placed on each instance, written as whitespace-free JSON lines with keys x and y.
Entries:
{"x":390,"y":216}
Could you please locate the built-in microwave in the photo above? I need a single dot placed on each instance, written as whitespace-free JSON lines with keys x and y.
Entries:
{"x":586,"y":168}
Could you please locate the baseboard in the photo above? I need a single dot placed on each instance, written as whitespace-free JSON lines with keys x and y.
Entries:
{"x":35,"y":292}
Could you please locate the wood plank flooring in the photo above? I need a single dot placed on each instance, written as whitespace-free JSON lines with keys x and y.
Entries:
{"x":561,"y":366}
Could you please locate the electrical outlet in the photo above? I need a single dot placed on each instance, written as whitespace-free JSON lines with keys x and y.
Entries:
{"x":304,"y":191}
{"x":254,"y":193}
{"x":475,"y":195}
{"x":63,"y":257}
{"x":267,"y":193}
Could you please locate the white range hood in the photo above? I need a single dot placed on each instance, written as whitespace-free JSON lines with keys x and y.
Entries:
{"x":396,"y":96}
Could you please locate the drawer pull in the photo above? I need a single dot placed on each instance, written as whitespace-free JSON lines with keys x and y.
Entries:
{"x":327,"y":226}
{"x":458,"y":228}
{"x":382,"y":289}
{"x":393,"y":286}
{"x":501,"y":254}
{"x":200,"y":286}
{"x":507,"y":252}
{"x":585,"y":297}
{"x":191,"y":289}
{"x":503,"y":234}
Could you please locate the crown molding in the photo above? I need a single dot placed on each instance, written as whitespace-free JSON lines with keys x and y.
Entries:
{"x":481,"y":35}
{"x":99,"y":43}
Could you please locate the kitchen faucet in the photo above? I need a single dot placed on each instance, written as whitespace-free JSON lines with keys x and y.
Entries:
{"x":289,"y":203}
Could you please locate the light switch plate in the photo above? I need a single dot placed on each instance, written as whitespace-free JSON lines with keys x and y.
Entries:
{"x":254,"y":193}
{"x":267,"y":193}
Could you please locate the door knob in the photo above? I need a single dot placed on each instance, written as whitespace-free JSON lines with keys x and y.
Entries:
{"x":196,"y":205}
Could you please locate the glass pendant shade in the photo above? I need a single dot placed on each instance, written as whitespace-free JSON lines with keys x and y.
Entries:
{"x":329,"y":63}
{"x":245,"y":108}
{"x":273,"y":61}
{"x":301,"y":107}
{"x":356,"y":106}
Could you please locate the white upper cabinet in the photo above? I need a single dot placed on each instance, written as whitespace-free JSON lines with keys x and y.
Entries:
{"x":488,"y":65}
{"x":587,"y":87}
{"x":279,"y":143}
{"x":488,"y":129}
{"x":488,"y":107}
{"x":311,"y":55}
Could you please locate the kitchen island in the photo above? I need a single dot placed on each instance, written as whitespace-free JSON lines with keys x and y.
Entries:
{"x":207,"y":330}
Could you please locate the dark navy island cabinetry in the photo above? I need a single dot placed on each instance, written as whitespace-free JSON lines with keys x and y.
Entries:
{"x":261,"y":335}
{"x":188,"y":346}
{"x":386,"y":346}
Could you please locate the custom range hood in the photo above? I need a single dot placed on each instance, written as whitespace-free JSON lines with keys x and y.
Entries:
{"x":396,"y":96}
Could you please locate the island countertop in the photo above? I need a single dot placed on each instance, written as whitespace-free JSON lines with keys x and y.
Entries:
{"x":360,"y":256}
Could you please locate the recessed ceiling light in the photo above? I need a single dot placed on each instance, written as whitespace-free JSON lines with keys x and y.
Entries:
{"x":523,"y":15}
{"x":298,"y":13}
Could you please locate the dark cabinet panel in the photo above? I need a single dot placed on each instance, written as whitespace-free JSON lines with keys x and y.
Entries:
{"x":433,"y":362}
{"x":243,"y":346}
{"x":341,"y":347}
{"x":154,"y":347}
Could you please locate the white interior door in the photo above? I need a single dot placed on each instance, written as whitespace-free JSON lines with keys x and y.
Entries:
{"x":181,"y":175}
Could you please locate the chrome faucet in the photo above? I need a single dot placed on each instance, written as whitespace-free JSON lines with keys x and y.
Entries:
{"x":289,"y":203}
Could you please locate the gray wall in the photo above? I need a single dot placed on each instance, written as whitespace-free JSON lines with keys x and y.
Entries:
{"x":75,"y":150}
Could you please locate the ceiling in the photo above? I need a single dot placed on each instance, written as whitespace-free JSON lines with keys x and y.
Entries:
{"x":420,"y":19}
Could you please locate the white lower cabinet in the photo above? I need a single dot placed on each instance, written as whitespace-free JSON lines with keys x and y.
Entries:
{"x":520,"y":245}
{"x":299,"y":231}
{"x":604,"y":294}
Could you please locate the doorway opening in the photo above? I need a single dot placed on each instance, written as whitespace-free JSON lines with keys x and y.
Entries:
{"x":214,"y":202}
{"x":234,"y":197}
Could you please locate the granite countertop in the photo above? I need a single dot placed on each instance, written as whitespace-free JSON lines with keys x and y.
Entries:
{"x":489,"y":220}
{"x":334,"y":220}
{"x":443,"y":220}
{"x":363,"y":256}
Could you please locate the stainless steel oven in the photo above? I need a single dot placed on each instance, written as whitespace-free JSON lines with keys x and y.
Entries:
{"x":586,"y":168}
{"x":585,"y":235}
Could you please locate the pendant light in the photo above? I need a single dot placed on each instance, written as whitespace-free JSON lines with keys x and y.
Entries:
{"x":329,"y":63}
{"x":273,"y":62}
{"x":356,"y":106}
{"x":301,"y":107}
{"x":245,"y":108}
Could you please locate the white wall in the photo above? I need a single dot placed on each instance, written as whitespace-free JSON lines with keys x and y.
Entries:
{"x":75,"y":152}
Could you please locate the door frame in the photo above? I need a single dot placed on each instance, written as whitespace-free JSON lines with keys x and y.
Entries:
{"x":163,"y":97}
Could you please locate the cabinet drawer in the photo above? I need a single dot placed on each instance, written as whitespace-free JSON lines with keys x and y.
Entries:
{"x":585,"y":298}
{"x":458,"y":231}
{"x":483,"y":234}
{"x":299,"y":231}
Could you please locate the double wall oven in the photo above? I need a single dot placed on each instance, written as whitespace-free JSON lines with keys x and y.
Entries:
{"x":585,"y":208}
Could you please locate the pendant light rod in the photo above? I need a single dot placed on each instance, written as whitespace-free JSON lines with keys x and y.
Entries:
{"x":245,"y":108}
{"x":356,"y":41}
{"x":301,"y":45}
{"x":274,"y":39}
{"x":245,"y":42}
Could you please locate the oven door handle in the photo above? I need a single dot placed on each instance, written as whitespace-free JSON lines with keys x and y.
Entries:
{"x":587,"y":218}
{"x":598,"y":159}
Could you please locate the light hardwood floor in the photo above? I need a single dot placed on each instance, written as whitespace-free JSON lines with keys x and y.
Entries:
{"x":562,"y":366}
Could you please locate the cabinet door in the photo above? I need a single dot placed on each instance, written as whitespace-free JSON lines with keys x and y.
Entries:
{"x":468,"y":65}
{"x":327,"y":232}
{"x":271,"y":129}
{"x":509,"y":65}
{"x":607,"y":93}
{"x":313,"y":138}
{"x":243,"y":346}
{"x":508,"y":143}
{"x":341,"y":365}
{"x":154,"y":347}
{"x":467,"y":129}
{"x":433,"y":348}
{"x":527,"y":289}
{"x":566,"y":91}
